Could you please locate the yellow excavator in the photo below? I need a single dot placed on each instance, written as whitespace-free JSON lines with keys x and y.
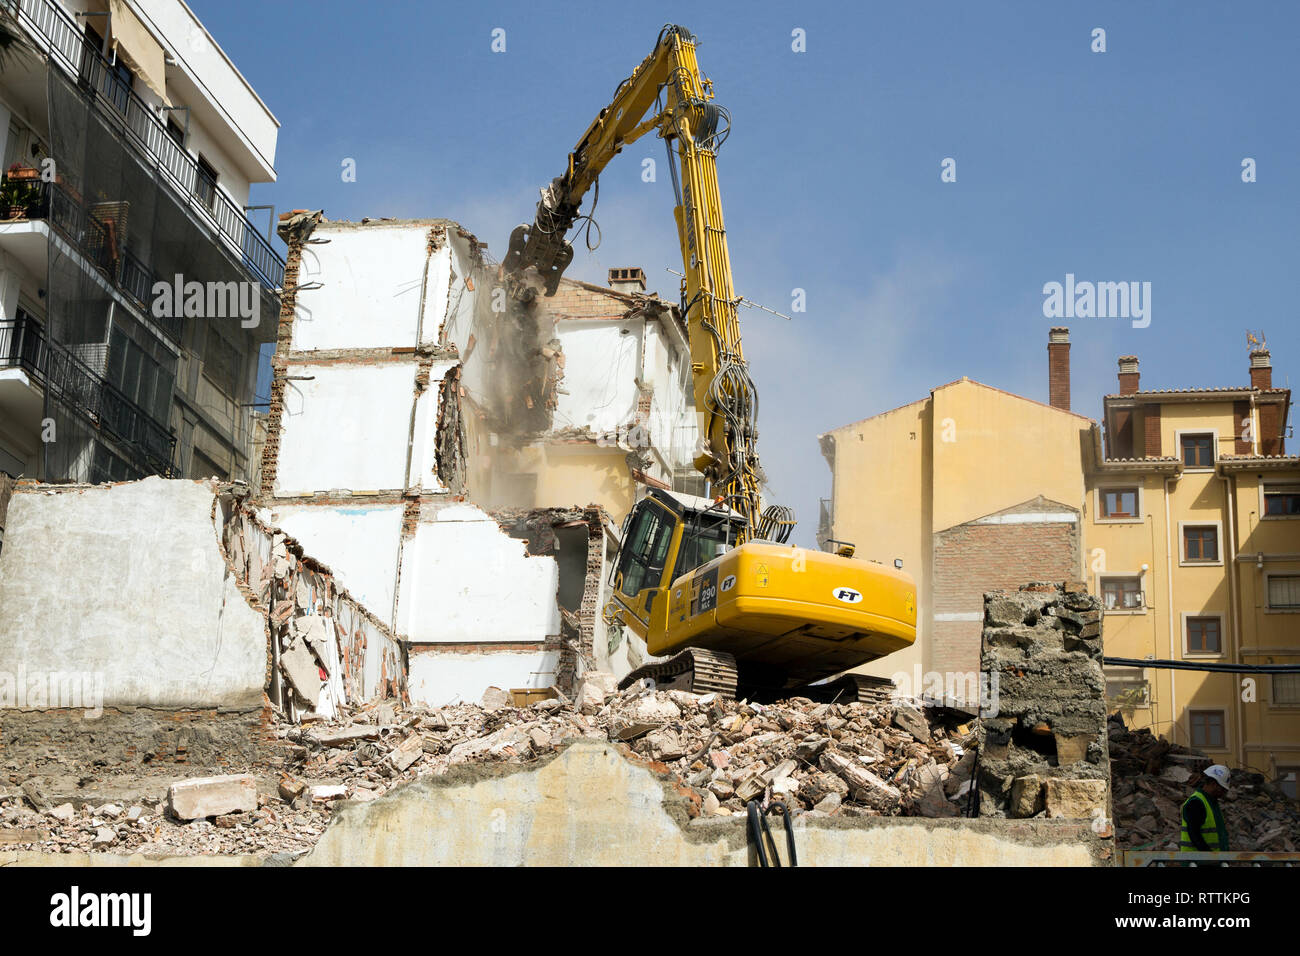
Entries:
{"x":710,"y":584}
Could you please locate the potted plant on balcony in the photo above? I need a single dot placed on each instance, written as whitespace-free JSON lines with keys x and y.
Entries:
{"x":20,"y":172}
{"x":13,"y":200}
{"x":20,"y":199}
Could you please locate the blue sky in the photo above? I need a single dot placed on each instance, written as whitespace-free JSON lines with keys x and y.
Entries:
{"x":1115,"y":166}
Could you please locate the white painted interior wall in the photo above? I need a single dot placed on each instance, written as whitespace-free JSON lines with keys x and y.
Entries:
{"x":464,"y":580}
{"x":345,"y":426}
{"x":372,"y":283}
{"x":442,"y":679}
{"x":601,"y":363}
{"x":359,"y":543}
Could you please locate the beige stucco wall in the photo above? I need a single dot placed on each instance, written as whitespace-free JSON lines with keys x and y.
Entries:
{"x":880,"y":499}
{"x":967,"y":451}
{"x":993,"y":450}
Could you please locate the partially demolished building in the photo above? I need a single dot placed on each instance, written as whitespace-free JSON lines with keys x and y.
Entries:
{"x":461,"y":464}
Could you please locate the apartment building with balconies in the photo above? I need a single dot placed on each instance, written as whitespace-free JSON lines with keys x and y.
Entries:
{"x":1193,"y":543}
{"x":135,"y":286}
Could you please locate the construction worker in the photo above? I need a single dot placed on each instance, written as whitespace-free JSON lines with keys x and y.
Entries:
{"x":1204,"y":828}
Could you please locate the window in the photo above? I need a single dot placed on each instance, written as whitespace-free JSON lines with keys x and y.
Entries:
{"x":645,"y":549}
{"x":106,"y":467}
{"x":703,"y":541}
{"x":1119,"y":503}
{"x":205,"y":467}
{"x":1198,"y":451}
{"x":1201,"y":543}
{"x":1281,"y":500}
{"x":138,"y":377}
{"x":1126,"y":687}
{"x":205,"y":183}
{"x":1207,"y":728}
{"x":1286,"y":690}
{"x":221,"y":361}
{"x":1284,"y":590}
{"x":1286,"y":779}
{"x":176,"y":131}
{"x":114,"y":81}
{"x":1203,"y":635}
{"x":1122,"y":594}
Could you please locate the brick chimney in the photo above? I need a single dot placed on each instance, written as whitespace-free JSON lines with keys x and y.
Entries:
{"x":1261,"y":369}
{"x":627,"y":280}
{"x":1058,"y":368}
{"x":1128,"y":374}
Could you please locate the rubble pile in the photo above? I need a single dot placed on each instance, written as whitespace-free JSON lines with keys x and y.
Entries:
{"x":896,"y":758}
{"x":1152,"y":778}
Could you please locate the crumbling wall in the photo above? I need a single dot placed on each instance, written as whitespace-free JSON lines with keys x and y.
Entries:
{"x":593,"y":806}
{"x":175,"y":596}
{"x":1043,"y":741}
{"x":125,"y":586}
{"x":405,"y":387}
{"x":326,"y":649}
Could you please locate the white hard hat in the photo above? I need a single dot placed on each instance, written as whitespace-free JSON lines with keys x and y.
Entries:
{"x":1219,"y":774}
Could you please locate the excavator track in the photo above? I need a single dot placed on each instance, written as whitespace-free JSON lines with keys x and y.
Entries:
{"x":846,"y":689}
{"x":695,"y":670}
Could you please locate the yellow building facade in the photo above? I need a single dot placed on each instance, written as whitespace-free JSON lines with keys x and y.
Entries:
{"x":963,"y":486}
{"x":1180,"y":509}
{"x":1193,"y":543}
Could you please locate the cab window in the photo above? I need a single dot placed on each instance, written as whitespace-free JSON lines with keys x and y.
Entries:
{"x":645,"y":549}
{"x":701,"y":544}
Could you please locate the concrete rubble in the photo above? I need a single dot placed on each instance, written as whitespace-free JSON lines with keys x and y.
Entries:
{"x":894,"y":759}
{"x":1152,"y":778}
{"x":1043,"y":744}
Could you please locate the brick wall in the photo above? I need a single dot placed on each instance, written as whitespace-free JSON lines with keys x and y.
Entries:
{"x":1058,"y":375}
{"x":1271,"y":441}
{"x":68,"y":742}
{"x":971,"y":559}
{"x":573,"y":301}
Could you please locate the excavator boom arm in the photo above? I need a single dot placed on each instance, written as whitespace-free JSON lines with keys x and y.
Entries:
{"x":668,"y":82}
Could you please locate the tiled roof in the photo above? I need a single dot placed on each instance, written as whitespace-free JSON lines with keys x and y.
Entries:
{"x":1245,"y":389}
{"x":1260,"y":457}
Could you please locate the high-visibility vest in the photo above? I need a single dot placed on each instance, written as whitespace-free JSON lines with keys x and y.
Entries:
{"x":1209,"y":829}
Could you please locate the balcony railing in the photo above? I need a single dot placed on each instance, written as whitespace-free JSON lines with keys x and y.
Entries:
{"x":92,"y":232}
{"x":74,"y":385}
{"x":66,"y":45}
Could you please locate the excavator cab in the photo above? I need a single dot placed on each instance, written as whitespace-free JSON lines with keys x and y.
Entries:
{"x":666,"y":536}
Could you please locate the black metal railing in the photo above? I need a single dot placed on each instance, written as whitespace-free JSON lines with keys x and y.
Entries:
{"x":21,"y":345}
{"x":92,"y":231}
{"x":75,"y":386}
{"x":67,"y":46}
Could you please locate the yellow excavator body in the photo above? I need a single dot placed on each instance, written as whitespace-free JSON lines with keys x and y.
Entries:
{"x":803,"y":614}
